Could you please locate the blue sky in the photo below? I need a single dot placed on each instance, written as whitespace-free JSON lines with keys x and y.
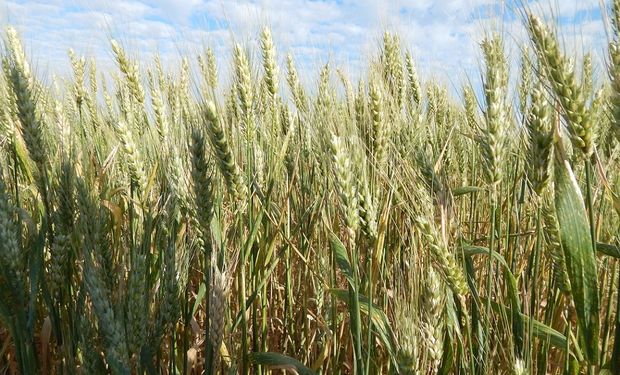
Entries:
{"x":442,"y":35}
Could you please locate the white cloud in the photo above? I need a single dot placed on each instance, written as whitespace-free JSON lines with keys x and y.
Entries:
{"x":444,"y":35}
{"x":564,"y":9}
{"x":175,"y":10}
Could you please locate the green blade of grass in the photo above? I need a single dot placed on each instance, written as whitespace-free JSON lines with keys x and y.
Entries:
{"x":513,"y":293}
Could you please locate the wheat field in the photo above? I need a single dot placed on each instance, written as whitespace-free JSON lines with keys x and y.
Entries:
{"x":156,"y":221}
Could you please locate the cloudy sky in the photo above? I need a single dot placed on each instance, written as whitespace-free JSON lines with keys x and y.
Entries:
{"x":443,"y":35}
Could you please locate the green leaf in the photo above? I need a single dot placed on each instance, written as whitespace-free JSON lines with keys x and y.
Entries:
{"x":576,"y":242}
{"x":202,"y":290}
{"x":280,"y":361}
{"x":466,"y":190}
{"x":23,"y":160}
{"x":608,"y":249}
{"x":447,"y":359}
{"x":378,"y":317}
{"x":342,"y":258}
{"x":36,"y":273}
{"x":540,"y":330}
